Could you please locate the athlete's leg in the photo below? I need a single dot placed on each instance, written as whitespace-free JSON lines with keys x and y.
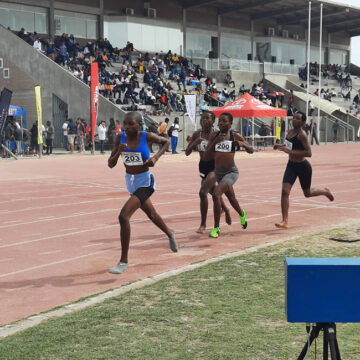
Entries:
{"x":124,"y":218}
{"x":230,"y":194}
{"x":318,"y":192}
{"x":219,"y":190}
{"x":207,"y":184}
{"x":285,"y":194}
{"x":150,"y":211}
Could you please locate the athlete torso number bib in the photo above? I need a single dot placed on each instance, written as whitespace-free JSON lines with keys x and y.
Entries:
{"x":224,"y":146}
{"x":288,"y":144}
{"x":203,"y":145}
{"x":132,"y":158}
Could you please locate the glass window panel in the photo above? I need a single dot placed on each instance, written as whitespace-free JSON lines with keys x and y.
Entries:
{"x":6,"y":18}
{"x":285,"y":52}
{"x":337,"y":57}
{"x":70,"y":25}
{"x":91,"y":29}
{"x":198,"y":45}
{"x":161,"y":39}
{"x":135,"y":36}
{"x":148,"y":37}
{"x":41,"y":23}
{"x":23,"y":19}
{"x":235,"y":48}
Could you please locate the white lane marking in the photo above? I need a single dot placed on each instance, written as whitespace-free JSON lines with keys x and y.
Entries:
{"x":62,"y":204}
{"x":52,"y":263}
{"x":35,"y":234}
{"x":19,"y":288}
{"x":6,"y":259}
{"x":50,"y":252}
{"x":11,"y":221}
{"x":68,"y":229}
{"x":142,"y":242}
{"x":91,"y":245}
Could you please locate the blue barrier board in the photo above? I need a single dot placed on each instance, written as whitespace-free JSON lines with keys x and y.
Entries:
{"x":322,"y":290}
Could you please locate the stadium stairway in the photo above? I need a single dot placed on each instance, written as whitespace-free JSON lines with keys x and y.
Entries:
{"x":285,"y":83}
{"x":54,"y":80}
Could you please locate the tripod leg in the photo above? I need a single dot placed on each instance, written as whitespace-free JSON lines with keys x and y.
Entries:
{"x":325,"y":345}
{"x":313,"y":335}
{"x":334,"y":348}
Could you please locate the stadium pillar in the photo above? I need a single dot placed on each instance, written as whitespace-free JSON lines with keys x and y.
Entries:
{"x":308,"y":60}
{"x":320,"y":63}
{"x":51,"y":20}
{"x":219,"y":40}
{"x":101,"y":19}
{"x":327,"y":51}
{"x":184,"y":31}
{"x":252,"y":38}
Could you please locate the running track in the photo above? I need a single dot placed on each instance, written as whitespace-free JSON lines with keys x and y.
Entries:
{"x":59,"y":233}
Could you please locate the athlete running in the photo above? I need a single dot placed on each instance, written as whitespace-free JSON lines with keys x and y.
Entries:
{"x":222,"y":146}
{"x":199,"y":141}
{"x":298,"y":147}
{"x":134,"y":147}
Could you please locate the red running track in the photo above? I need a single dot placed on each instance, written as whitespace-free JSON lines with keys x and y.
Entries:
{"x":59,"y":232}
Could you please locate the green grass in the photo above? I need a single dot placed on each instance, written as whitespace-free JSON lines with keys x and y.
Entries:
{"x":233,"y":309}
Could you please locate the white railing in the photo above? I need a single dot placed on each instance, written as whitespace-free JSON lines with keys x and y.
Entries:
{"x":243,"y":65}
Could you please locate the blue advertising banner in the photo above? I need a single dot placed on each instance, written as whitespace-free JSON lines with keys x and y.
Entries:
{"x":5,"y":99}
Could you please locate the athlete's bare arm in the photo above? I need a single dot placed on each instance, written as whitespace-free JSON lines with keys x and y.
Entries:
{"x":240,"y":141}
{"x":116,"y":153}
{"x":153,"y":138}
{"x":195,"y":141}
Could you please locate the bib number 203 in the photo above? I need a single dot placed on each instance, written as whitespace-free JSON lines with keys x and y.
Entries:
{"x":132,"y":159}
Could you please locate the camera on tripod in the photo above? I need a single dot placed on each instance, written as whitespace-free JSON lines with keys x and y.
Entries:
{"x":322,"y":291}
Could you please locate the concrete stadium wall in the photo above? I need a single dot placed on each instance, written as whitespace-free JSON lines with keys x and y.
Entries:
{"x":36,"y":69}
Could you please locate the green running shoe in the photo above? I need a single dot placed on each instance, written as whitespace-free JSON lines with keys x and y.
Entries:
{"x":215,"y":233}
{"x":243,"y":220}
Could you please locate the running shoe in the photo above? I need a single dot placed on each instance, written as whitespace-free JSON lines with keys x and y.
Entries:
{"x":215,"y":233}
{"x":243,"y":220}
{"x":119,"y":268}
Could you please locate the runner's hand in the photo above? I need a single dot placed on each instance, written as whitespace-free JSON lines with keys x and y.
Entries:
{"x":150,"y":162}
{"x":219,"y":138}
{"x":121,"y":148}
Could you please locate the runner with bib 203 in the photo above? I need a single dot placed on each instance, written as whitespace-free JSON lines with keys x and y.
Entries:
{"x":199,"y":142}
{"x":222,"y":146}
{"x":133,"y":145}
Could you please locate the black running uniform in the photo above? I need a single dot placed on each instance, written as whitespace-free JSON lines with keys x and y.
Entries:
{"x":205,"y":167}
{"x":302,"y":170}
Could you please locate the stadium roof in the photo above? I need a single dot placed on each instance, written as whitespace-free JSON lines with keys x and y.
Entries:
{"x":336,"y":17}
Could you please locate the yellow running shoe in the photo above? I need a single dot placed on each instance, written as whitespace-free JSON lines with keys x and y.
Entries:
{"x":215,"y":233}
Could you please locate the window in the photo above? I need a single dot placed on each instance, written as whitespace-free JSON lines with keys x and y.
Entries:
{"x":1,"y":63}
{"x":6,"y":73}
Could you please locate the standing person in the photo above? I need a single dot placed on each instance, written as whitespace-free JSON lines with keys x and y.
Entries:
{"x":175,"y":130}
{"x":313,"y":132}
{"x":133,"y":145}
{"x":298,"y":148}
{"x":282,"y":130}
{"x":118,"y":127}
{"x":335,"y":128}
{"x":162,"y":131}
{"x":111,"y":133}
{"x":222,"y":146}
{"x":71,"y":134}
{"x":102,"y":135}
{"x":80,"y":132}
{"x":50,"y":134}
{"x":65,"y":133}
{"x":34,"y":138}
{"x":247,"y":129}
{"x":199,"y":141}
{"x":9,"y":135}
{"x":18,"y":138}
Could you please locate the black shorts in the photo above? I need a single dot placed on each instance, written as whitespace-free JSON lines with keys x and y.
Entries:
{"x":143,"y":193}
{"x":206,"y":167}
{"x":302,"y":170}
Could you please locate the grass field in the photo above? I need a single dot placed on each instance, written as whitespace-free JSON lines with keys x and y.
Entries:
{"x":232,"y":309}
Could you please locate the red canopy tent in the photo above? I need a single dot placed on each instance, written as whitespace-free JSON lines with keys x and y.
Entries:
{"x":247,"y":106}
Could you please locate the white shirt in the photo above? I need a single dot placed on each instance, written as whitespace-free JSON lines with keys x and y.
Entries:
{"x":37,"y":45}
{"x":102,"y":132}
{"x":65,"y":126}
{"x":175,"y":131}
